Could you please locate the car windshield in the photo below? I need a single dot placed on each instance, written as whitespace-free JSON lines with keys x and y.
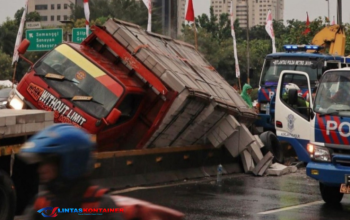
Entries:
{"x":273,"y":68}
{"x":333,"y":94}
{"x":4,"y":93}
{"x":71,"y":74}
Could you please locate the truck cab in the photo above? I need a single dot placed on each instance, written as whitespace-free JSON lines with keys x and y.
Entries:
{"x":295,"y":58}
{"x":89,"y":87}
{"x":319,"y":132}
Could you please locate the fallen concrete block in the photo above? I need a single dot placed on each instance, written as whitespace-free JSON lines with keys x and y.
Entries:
{"x":239,"y":141}
{"x":255,"y":151}
{"x":247,"y":160}
{"x":263,"y":165}
{"x":292,"y":169}
{"x":278,"y":169}
{"x":258,"y":141}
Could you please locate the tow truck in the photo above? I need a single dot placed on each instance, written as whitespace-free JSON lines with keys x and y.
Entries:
{"x":320,"y":133}
{"x":296,"y":58}
{"x":158,"y":110}
{"x":325,"y":52}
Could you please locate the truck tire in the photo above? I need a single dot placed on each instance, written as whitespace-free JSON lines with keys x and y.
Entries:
{"x":331,"y":194}
{"x":7,"y":197}
{"x":272,"y":144}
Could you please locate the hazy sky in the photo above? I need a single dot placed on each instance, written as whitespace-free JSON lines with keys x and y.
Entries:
{"x":294,"y":9}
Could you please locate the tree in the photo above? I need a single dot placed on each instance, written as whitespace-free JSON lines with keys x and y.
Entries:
{"x":5,"y":66}
{"x":126,"y":10}
{"x":220,"y":28}
{"x":8,"y":34}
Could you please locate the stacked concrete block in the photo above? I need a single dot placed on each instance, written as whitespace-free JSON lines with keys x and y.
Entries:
{"x":239,"y":141}
{"x":23,"y":122}
{"x":247,"y":161}
{"x":225,"y":129}
{"x":194,"y":114}
{"x":197,"y":131}
{"x":170,"y":59}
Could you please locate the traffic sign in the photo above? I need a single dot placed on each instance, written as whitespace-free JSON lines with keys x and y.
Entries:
{"x":33,"y":25}
{"x":44,"y":39}
{"x":79,"y":34}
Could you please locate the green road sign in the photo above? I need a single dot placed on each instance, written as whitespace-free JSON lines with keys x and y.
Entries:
{"x":44,"y":39}
{"x":79,"y":34}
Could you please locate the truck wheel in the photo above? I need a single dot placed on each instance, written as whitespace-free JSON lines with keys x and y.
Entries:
{"x":7,"y":197}
{"x":272,"y":144}
{"x":331,"y":194}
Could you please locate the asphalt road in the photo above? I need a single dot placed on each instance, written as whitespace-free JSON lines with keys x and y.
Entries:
{"x":243,"y":196}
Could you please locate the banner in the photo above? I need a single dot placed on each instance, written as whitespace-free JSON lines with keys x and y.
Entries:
{"x":269,"y":30}
{"x":307,"y":30}
{"x":238,"y":73}
{"x":190,"y":11}
{"x":148,"y":4}
{"x":19,"y":34}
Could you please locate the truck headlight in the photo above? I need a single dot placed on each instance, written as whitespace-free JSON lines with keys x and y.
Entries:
{"x":318,"y":153}
{"x":16,"y":103}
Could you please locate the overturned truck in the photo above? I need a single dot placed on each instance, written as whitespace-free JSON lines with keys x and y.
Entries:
{"x":159,"y":110}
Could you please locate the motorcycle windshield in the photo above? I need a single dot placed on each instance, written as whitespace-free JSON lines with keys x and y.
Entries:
{"x":273,"y":68}
{"x":74,"y":75}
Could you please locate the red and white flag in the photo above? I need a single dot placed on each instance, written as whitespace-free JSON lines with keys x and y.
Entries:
{"x":269,"y":30}
{"x":190,"y":11}
{"x":333,"y":22}
{"x":238,"y":73}
{"x":87,"y":16}
{"x":19,"y":34}
{"x":148,"y":4}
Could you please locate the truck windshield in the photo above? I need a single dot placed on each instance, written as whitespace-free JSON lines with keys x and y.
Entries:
{"x":71,"y":74}
{"x":333,"y":94}
{"x":273,"y":68}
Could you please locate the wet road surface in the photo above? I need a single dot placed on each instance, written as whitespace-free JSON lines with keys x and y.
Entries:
{"x":241,"y":196}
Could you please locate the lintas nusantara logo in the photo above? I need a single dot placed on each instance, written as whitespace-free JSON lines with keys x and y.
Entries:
{"x":51,"y":212}
{"x":49,"y":102}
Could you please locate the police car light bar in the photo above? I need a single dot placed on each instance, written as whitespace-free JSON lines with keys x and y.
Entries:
{"x":301,"y":47}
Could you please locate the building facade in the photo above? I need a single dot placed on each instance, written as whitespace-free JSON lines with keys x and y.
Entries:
{"x":257,"y":13}
{"x":181,"y":10}
{"x":51,"y":12}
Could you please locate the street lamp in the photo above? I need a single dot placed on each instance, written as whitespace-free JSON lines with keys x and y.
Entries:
{"x":66,"y":23}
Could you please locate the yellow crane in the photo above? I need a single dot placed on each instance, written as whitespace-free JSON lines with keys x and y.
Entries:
{"x":333,"y":36}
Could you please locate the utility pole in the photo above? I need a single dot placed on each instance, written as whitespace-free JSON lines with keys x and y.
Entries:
{"x":339,"y":10}
{"x":248,"y":57}
{"x":329,"y":16}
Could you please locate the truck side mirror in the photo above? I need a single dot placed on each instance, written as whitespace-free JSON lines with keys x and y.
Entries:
{"x":113,"y":116}
{"x":23,"y":46}
{"x":292,"y":96}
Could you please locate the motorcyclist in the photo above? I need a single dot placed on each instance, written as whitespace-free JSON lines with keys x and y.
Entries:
{"x":64,"y":156}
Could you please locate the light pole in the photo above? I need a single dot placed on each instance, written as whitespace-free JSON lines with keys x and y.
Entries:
{"x":248,"y":64}
{"x":328,"y":11}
